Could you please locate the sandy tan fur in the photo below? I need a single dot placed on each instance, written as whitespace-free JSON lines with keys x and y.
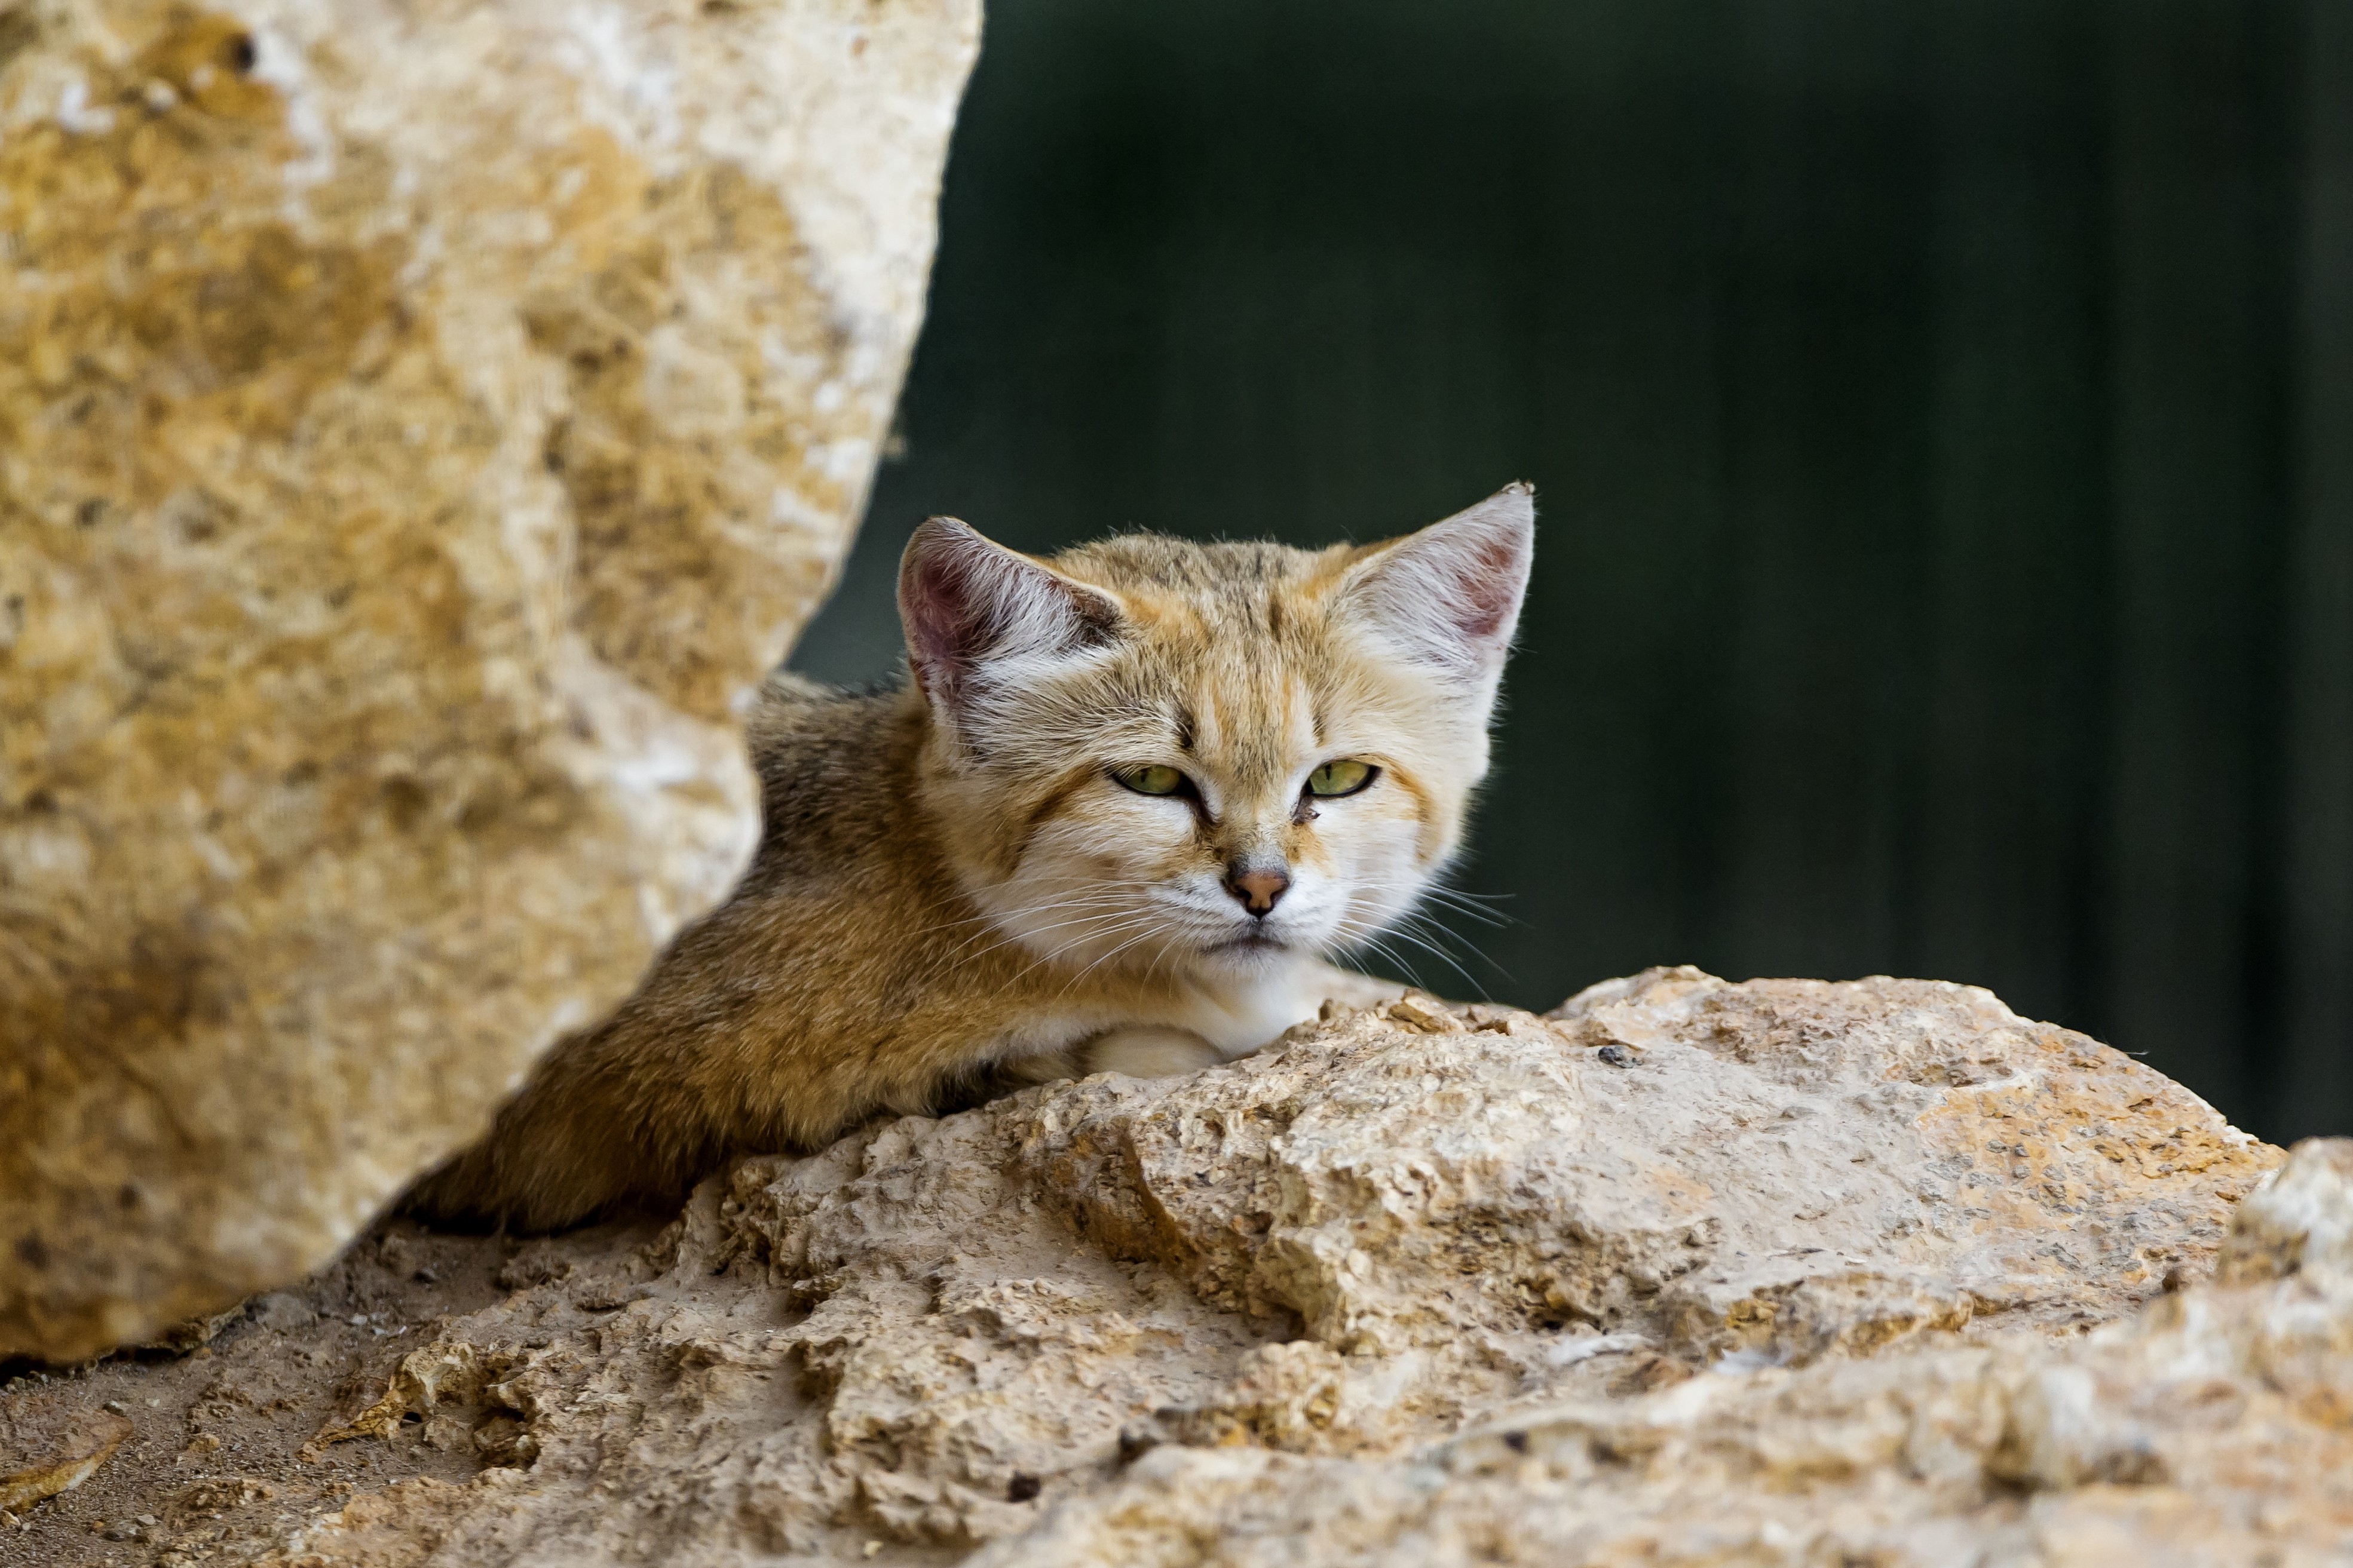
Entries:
{"x":953,"y":890}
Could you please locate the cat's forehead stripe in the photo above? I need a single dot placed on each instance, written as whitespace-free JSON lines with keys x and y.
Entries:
{"x":1145,"y":562}
{"x":1254,"y":715}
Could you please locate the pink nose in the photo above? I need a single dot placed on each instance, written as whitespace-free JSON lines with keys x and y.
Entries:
{"x":1259,"y":890}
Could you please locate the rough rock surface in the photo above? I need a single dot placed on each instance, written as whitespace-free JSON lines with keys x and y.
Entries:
{"x":1687,"y":1272}
{"x":419,"y":424}
{"x":2214,"y":1428}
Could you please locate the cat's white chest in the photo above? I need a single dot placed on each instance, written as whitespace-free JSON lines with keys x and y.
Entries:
{"x":1246,"y":1017}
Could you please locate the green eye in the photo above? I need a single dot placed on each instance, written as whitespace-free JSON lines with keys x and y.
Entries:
{"x":1345,"y":776}
{"x":1154,"y":780}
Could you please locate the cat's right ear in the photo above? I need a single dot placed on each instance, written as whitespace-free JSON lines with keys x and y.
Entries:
{"x":971,"y":608}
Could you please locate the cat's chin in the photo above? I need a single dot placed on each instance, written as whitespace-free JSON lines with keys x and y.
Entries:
{"x":1251,"y":953}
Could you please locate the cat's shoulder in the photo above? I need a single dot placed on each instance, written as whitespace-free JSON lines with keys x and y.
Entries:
{"x":822,"y":750}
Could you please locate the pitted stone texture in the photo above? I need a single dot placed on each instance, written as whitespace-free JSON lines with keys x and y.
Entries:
{"x":421,"y":425}
{"x":1384,"y":1294}
{"x":1781,"y":1168}
{"x":2211,"y":1428}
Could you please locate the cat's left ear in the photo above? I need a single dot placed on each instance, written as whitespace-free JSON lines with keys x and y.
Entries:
{"x":1449,"y":596}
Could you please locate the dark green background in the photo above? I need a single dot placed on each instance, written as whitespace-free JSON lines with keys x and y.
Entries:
{"x":1942,"y":417}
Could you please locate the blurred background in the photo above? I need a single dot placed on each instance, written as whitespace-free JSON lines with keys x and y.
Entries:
{"x":1942,"y":421}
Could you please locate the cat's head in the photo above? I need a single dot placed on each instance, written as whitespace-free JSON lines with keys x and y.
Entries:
{"x":1208,"y":760}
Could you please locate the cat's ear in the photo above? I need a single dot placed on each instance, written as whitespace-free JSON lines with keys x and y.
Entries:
{"x":968,"y":604}
{"x":1449,"y":596}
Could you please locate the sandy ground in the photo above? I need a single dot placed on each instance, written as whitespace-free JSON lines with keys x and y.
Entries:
{"x":221,"y":1466}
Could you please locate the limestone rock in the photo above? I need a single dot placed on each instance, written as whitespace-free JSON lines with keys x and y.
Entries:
{"x":2211,"y":1428}
{"x":421,"y":425}
{"x":1687,"y":1272}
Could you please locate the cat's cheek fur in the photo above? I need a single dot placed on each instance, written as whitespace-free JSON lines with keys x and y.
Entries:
{"x":1098,"y":881}
{"x":1381,"y":852}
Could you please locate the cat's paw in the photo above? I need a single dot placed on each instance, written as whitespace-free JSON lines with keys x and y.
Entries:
{"x":1046,"y":1066}
{"x":1149,"y":1053}
{"x":1352,"y":990}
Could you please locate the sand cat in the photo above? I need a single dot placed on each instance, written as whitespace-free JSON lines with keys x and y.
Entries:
{"x":1130,"y":801}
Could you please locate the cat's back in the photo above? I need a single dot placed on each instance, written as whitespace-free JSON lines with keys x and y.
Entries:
{"x":835,"y":769}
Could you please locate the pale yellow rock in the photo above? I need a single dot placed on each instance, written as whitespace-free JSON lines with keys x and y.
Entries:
{"x":420,"y":425}
{"x":2214,"y":1428}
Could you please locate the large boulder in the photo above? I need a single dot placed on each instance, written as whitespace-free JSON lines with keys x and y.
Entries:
{"x":420,"y":425}
{"x":1685,"y":1272}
